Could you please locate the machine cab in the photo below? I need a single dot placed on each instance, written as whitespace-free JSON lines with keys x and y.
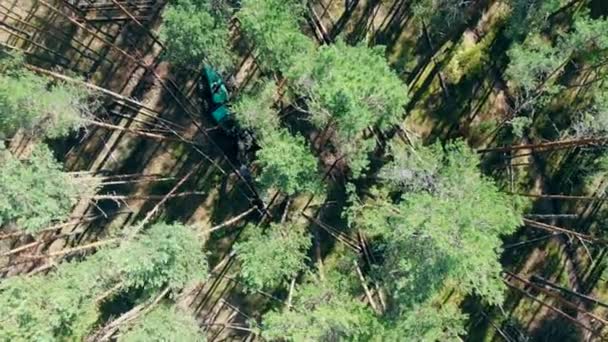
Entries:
{"x":215,"y":91}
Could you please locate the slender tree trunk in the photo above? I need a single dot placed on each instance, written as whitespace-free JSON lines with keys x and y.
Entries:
{"x":231,"y":221}
{"x":335,"y":233}
{"x":552,"y":308}
{"x":368,"y":294}
{"x":154,"y":210}
{"x":553,"y":145}
{"x":124,"y":10}
{"x":139,"y":132}
{"x":568,"y":291}
{"x":552,"y":228}
{"x":561,"y":197}
{"x":142,"y":180}
{"x":64,"y":252}
{"x":147,"y":197}
{"x":105,"y":333}
{"x":442,"y":82}
{"x":292,"y":286}
{"x":557,"y":297}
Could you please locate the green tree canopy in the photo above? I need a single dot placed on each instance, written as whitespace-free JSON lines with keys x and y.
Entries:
{"x":288,"y":164}
{"x":444,"y":13}
{"x":36,"y":192}
{"x":254,"y":110}
{"x":276,"y":256}
{"x":273,"y":27}
{"x":195,"y":31}
{"x":530,"y":16}
{"x":452,"y":228}
{"x":39,"y":107}
{"x":531,"y":62}
{"x":427,"y":323}
{"x":173,"y":257}
{"x":587,"y":39}
{"x":352,"y":88}
{"x":537,"y":63}
{"x":328,"y":310}
{"x":164,"y":323}
{"x":63,"y":304}
{"x":321,"y":312}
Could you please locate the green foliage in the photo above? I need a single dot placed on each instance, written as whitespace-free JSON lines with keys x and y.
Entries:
{"x":62,"y":305}
{"x":321,"y":312}
{"x":427,"y":323}
{"x":594,"y":120}
{"x":471,"y":57}
{"x":164,"y":323}
{"x":453,"y":230}
{"x":165,"y":255}
{"x":446,"y":13}
{"x":273,"y":27}
{"x":288,"y":164}
{"x":28,"y":102}
{"x":519,"y":124}
{"x":531,"y":62}
{"x":530,"y":16}
{"x":351,"y":87}
{"x":588,"y":39}
{"x":193,"y":32}
{"x":35,"y":192}
{"x":270,"y":259}
{"x":254,"y":111}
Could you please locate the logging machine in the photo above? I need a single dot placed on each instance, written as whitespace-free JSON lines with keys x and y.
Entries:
{"x":214,"y":91}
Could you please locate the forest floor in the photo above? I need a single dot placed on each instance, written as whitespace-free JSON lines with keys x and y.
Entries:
{"x":453,"y":94}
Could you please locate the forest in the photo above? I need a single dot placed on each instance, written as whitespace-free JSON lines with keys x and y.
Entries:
{"x":303,"y":170}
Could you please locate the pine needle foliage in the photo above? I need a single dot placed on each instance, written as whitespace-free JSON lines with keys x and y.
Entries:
{"x":274,"y":257}
{"x":196,"y":31}
{"x":36,"y":192}
{"x":288,"y":164}
{"x":63,"y":304}
{"x":173,"y":257}
{"x":351,"y":98}
{"x":255,"y":110}
{"x":532,"y":62}
{"x":321,"y":312}
{"x":453,"y":228}
{"x":530,"y":16}
{"x":163,"y":323}
{"x":37,"y":106}
{"x":273,"y":28}
{"x":427,"y":322}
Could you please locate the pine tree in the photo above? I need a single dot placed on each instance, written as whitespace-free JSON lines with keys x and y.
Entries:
{"x":163,"y":323}
{"x":36,"y":192}
{"x":288,"y":164}
{"x":532,"y":62}
{"x":427,"y":323}
{"x":274,"y":257}
{"x":254,"y":110}
{"x":64,"y":304}
{"x":351,"y":98}
{"x":449,"y":219}
{"x":322,"y":311}
{"x":43,"y":109}
{"x":529,"y":16}
{"x":195,"y":31}
{"x":273,"y":27}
